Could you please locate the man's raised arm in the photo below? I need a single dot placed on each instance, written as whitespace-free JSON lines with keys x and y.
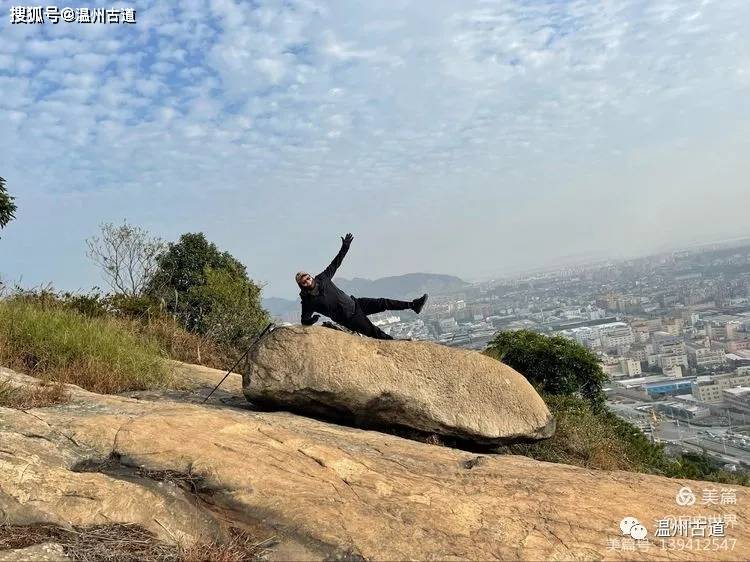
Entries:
{"x":346,"y":241}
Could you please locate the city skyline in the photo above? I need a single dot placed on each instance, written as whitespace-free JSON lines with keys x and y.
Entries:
{"x":474,"y":139}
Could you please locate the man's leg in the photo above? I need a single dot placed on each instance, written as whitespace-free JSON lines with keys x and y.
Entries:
{"x":361,"y":324}
{"x":373,"y":306}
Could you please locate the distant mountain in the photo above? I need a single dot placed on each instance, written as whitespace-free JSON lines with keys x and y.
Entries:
{"x":284,"y":309}
{"x":401,"y":286}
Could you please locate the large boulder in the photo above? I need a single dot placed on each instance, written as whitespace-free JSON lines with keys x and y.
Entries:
{"x":420,"y":385}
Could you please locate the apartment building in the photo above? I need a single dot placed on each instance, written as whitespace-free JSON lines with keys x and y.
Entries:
{"x":616,"y":334}
{"x":630,"y":367}
{"x":668,"y":360}
{"x":709,"y":388}
{"x":737,"y":398}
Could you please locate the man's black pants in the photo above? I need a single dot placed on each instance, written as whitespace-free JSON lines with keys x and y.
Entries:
{"x":360,"y":322}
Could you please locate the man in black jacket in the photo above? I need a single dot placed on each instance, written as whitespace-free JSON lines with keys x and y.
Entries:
{"x":319,"y":294}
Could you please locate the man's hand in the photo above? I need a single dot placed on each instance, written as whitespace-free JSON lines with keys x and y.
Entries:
{"x":347,"y":240}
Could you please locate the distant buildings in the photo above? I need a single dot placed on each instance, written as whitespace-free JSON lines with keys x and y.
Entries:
{"x":652,"y":387}
{"x":704,"y":358}
{"x":602,"y":336}
{"x":738,"y":398}
{"x":683,"y":410}
{"x":708,"y":388}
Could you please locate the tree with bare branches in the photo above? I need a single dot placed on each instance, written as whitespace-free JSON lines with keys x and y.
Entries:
{"x":127,"y":256}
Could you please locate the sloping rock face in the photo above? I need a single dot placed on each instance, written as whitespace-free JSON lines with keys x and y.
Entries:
{"x":43,"y":479}
{"x":331,"y":492}
{"x":420,"y":385}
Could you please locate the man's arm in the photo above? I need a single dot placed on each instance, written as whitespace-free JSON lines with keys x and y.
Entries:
{"x":308,"y":318}
{"x":346,"y":241}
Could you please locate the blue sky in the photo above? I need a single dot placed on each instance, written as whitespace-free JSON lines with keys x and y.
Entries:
{"x":475,"y":138}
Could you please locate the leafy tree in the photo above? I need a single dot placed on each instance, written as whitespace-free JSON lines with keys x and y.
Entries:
{"x":229,"y":305}
{"x":183,"y":265}
{"x":208,"y":290}
{"x":555,"y":365}
{"x":126,"y":255}
{"x":7,"y":205}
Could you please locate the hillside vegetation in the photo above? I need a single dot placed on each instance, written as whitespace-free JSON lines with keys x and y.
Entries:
{"x":570,"y":379}
{"x":185,"y":300}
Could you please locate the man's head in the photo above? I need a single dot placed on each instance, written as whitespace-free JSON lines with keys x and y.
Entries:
{"x":305,"y":280}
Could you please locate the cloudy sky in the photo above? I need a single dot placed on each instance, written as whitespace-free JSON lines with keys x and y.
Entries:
{"x":476,"y":138}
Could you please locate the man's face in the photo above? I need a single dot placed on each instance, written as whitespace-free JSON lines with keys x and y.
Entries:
{"x":306,"y":281}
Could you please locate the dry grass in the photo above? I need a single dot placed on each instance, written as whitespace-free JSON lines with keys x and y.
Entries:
{"x":24,"y":397}
{"x":130,"y":543}
{"x":592,"y":440}
{"x":116,"y":543}
{"x":189,"y":481}
{"x":59,"y":344}
{"x":179,"y":344}
{"x":238,"y":547}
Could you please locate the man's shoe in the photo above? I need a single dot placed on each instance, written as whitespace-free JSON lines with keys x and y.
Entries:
{"x":418,"y":304}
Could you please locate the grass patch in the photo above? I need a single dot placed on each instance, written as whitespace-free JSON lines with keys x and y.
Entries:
{"x":56,"y":343}
{"x":141,"y":317}
{"x":238,"y":547}
{"x":130,"y":543}
{"x":24,"y":397}
{"x":177,"y":343}
{"x":592,"y":440}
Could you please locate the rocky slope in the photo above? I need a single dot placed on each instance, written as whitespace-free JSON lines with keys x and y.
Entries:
{"x":323,"y":491}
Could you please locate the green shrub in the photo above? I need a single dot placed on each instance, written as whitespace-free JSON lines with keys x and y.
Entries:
{"x":141,"y":316}
{"x":554,"y":365}
{"x":92,"y":304}
{"x":40,"y":337}
{"x":230,"y":309}
{"x":208,"y":291}
{"x":140,"y":306}
{"x":95,"y":304}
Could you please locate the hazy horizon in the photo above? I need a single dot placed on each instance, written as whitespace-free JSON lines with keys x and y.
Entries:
{"x":476,"y":139}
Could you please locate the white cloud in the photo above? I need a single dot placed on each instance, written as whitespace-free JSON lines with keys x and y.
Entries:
{"x":309,"y":113}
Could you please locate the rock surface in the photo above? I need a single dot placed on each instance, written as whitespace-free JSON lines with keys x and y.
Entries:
{"x":328,"y":491}
{"x":43,"y":477}
{"x":420,"y":385}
